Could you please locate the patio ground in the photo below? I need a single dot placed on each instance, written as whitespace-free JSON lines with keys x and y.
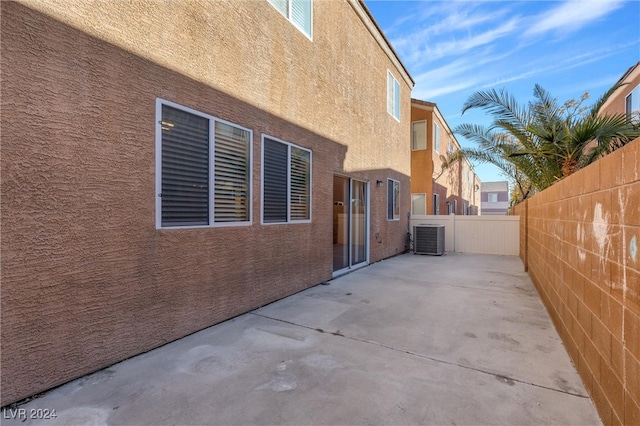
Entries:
{"x":456,"y":339}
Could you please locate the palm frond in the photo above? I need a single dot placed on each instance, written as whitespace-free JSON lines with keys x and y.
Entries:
{"x":546,"y":141}
{"x":500,"y":104}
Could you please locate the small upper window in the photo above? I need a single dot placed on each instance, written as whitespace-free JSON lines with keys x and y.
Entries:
{"x":492,"y":197}
{"x":436,"y":137}
{"x":298,"y":12}
{"x":419,"y":135}
{"x":393,"y":199}
{"x":393,"y":96}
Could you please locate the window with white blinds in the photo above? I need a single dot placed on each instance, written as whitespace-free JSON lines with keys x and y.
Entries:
{"x":298,"y":12}
{"x":204,"y":169}
{"x":300,"y":188}
{"x":286,"y":182}
{"x":231,"y":170}
{"x":274,"y":181}
{"x":185,"y":168}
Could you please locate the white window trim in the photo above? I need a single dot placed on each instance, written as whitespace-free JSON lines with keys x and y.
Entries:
{"x":393,"y":182}
{"x":633,"y":98}
{"x":396,"y":83}
{"x":289,"y":145}
{"x":289,"y":9}
{"x":212,"y":121}
{"x":436,"y":140}
{"x":425,"y":135}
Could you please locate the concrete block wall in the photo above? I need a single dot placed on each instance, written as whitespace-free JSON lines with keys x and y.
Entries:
{"x":579,"y":241}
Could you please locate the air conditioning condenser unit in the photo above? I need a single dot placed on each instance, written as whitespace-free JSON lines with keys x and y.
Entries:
{"x":428,"y":239}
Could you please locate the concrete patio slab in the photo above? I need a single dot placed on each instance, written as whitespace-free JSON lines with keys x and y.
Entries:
{"x":456,"y":339}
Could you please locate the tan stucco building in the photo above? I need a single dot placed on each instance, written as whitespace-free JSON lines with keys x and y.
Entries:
{"x":436,"y":190}
{"x":167,"y":165}
{"x":626,"y":99}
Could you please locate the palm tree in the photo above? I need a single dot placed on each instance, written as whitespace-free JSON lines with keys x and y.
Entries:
{"x":543,"y":142}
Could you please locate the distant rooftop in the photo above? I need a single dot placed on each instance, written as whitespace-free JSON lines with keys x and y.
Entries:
{"x":495,"y":186}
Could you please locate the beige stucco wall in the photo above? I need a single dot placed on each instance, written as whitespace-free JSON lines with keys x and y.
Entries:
{"x":87,"y":279}
{"x":617,"y":101}
{"x":334,"y":85}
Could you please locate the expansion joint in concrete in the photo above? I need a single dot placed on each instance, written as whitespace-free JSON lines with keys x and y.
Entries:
{"x":419,"y":355}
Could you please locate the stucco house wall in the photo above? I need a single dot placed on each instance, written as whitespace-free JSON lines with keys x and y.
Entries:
{"x":88,"y":276}
{"x":499,"y":206}
{"x":617,"y":102}
{"x":427,"y":177}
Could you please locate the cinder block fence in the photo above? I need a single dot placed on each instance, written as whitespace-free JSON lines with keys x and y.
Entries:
{"x":579,"y":242}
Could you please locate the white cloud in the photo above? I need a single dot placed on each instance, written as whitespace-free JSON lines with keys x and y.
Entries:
{"x":429,"y":93}
{"x":457,"y":47}
{"x":558,"y":64}
{"x":571,"y":16}
{"x":465,"y":72}
{"x":453,"y":46}
{"x":441,"y":29}
{"x":414,"y":51}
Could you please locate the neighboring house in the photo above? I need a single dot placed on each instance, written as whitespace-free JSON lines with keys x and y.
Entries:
{"x":434,"y":190}
{"x":626,"y":100}
{"x":167,"y":165}
{"x":495,"y":198}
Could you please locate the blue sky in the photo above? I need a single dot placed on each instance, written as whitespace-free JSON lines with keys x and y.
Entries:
{"x":456,"y":47}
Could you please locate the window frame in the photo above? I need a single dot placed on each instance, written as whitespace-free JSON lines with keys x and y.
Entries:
{"x":289,"y":145}
{"x":288,"y":14}
{"x":418,"y":194}
{"x":413,"y":144}
{"x":436,"y":204}
{"x":436,"y":137}
{"x":211,"y":168}
{"x":492,"y":195}
{"x":632,"y":105}
{"x":393,"y":199}
{"x":393,"y":96}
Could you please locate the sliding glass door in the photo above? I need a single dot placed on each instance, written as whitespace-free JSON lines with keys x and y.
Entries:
{"x":350,"y":223}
